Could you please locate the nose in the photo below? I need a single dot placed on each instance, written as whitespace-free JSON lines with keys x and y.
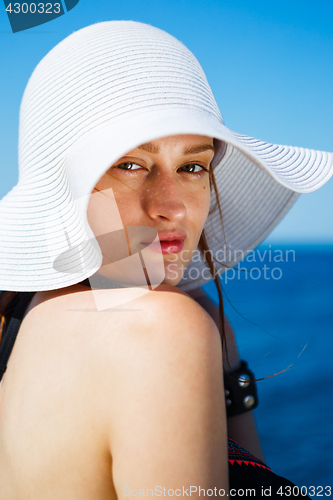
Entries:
{"x":163,"y":199}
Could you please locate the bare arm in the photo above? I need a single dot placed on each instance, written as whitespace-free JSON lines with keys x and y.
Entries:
{"x":167,"y":417}
{"x":241,"y":428}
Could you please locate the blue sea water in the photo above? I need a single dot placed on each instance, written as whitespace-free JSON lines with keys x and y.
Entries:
{"x":287,"y":319}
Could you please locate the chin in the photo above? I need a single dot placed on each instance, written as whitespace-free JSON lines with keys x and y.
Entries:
{"x":173,"y":274}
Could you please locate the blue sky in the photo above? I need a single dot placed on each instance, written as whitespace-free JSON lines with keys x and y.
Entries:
{"x":270,"y":66}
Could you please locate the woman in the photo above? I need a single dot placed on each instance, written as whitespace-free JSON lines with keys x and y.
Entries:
{"x":114,"y":384}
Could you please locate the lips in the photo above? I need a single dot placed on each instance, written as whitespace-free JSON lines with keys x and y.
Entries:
{"x":171,"y":235}
{"x":169,"y":242}
{"x":168,"y":236}
{"x":167,"y":247}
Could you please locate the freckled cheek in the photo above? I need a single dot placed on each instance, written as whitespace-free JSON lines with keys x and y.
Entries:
{"x":129,"y":206}
{"x":200,"y":202}
{"x":197,"y":216}
{"x":202,"y":213}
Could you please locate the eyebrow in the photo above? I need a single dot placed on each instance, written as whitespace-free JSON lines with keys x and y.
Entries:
{"x":189,"y":151}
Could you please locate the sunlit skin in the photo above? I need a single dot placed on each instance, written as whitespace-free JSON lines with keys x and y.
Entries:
{"x":109,"y":364}
{"x":163,"y":184}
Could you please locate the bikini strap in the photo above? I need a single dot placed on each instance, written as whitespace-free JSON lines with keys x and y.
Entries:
{"x":10,"y":334}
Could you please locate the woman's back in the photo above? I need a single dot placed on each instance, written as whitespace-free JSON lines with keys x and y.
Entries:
{"x":82,"y":386}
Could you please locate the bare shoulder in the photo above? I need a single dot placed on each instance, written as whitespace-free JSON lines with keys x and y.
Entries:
{"x":166,"y":305}
{"x":173,"y":330}
{"x":177,"y":315}
{"x":145,"y":376}
{"x":164,"y":314}
{"x":163,"y":326}
{"x":159,"y":341}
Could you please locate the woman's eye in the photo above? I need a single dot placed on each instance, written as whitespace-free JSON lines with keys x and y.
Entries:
{"x":128,"y":166}
{"x":193,"y":168}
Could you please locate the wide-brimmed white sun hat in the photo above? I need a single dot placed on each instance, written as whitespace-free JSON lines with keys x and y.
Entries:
{"x":99,"y":93}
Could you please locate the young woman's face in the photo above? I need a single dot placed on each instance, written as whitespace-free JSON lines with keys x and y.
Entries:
{"x":163,"y":185}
